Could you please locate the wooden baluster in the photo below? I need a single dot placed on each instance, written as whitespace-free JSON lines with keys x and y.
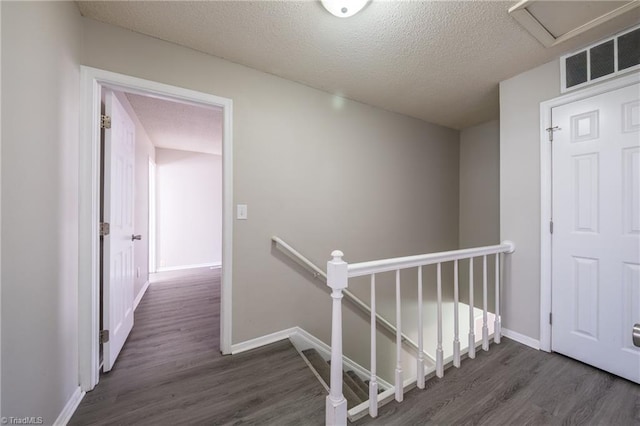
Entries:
{"x":420,"y":370}
{"x":337,"y":279}
{"x":485,"y":329}
{"x":439,"y":352}
{"x":456,"y":325}
{"x":472,"y":335}
{"x":399,"y":384}
{"x":497,"y":329}
{"x":373,"y":383}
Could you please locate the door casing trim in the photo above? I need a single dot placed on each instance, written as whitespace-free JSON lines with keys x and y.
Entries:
{"x":546,"y":243}
{"x":92,"y":80}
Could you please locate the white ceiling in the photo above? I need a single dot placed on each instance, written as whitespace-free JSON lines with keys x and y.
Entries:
{"x":440,"y":61}
{"x":177,"y":125}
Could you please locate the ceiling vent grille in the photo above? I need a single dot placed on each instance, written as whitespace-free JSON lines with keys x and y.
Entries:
{"x":605,"y":59}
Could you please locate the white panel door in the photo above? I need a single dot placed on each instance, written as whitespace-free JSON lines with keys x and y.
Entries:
{"x":119,"y":161}
{"x":596,"y":235}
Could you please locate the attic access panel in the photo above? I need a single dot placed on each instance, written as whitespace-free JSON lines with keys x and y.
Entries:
{"x":553,"y":22}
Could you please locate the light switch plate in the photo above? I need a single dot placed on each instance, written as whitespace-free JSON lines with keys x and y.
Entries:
{"x":241,"y":211}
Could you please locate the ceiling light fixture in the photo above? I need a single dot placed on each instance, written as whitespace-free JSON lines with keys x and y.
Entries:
{"x":344,"y":8}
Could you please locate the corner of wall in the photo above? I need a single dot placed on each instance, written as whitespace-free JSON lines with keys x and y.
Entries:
{"x":479,"y":212}
{"x":520,"y":98}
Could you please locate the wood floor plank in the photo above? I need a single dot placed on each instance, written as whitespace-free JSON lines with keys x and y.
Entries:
{"x":516,"y":385}
{"x":171,"y":371}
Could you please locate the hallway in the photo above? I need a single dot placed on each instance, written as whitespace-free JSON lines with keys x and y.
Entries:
{"x":171,"y":371}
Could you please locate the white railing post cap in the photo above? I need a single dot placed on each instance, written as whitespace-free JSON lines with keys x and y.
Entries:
{"x":511,"y":244}
{"x":337,"y":273}
{"x":337,"y":255}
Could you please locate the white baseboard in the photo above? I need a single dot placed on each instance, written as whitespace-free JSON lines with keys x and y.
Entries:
{"x":262,"y":341}
{"x":302,"y":340}
{"x":143,"y":290}
{"x":69,"y":408}
{"x":521,"y":338}
{"x":310,"y":341}
{"x":181,"y":267}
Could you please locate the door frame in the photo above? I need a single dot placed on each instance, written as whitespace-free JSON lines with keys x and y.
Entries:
{"x":92,"y":80}
{"x":546,"y":244}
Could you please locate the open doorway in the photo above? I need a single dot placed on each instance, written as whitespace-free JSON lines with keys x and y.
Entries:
{"x":182,"y":192}
{"x":186,"y":148}
{"x":94,"y":81}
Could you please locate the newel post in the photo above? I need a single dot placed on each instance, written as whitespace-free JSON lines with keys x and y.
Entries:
{"x":337,"y":278}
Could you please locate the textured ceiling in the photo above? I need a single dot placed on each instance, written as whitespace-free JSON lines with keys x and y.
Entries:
{"x":176,"y":125}
{"x":440,"y":61}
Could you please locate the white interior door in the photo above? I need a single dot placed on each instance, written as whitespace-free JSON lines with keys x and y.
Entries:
{"x":152,"y":216}
{"x":596,"y":233}
{"x":119,"y":161}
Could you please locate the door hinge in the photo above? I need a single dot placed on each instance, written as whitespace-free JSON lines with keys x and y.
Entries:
{"x":550,"y":318}
{"x":104,"y":336}
{"x":105,"y":122}
{"x":104,"y":229}
{"x":550,"y":130}
{"x":551,"y":227}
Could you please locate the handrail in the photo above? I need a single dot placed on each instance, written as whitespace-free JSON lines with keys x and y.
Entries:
{"x":393,"y":264}
{"x":319,"y":273}
{"x":338,"y":274}
{"x":298,"y":257}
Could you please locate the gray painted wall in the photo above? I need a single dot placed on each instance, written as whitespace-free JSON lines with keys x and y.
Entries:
{"x":520,"y":99}
{"x":371,"y":183}
{"x":40,"y":107}
{"x":479,"y":202}
{"x":480,"y":185}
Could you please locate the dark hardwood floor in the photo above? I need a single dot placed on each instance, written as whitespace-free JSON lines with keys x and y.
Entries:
{"x":170,"y":372}
{"x":513,"y":384}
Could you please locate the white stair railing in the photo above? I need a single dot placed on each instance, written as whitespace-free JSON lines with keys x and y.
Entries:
{"x":338,"y":274}
{"x":318,"y":273}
